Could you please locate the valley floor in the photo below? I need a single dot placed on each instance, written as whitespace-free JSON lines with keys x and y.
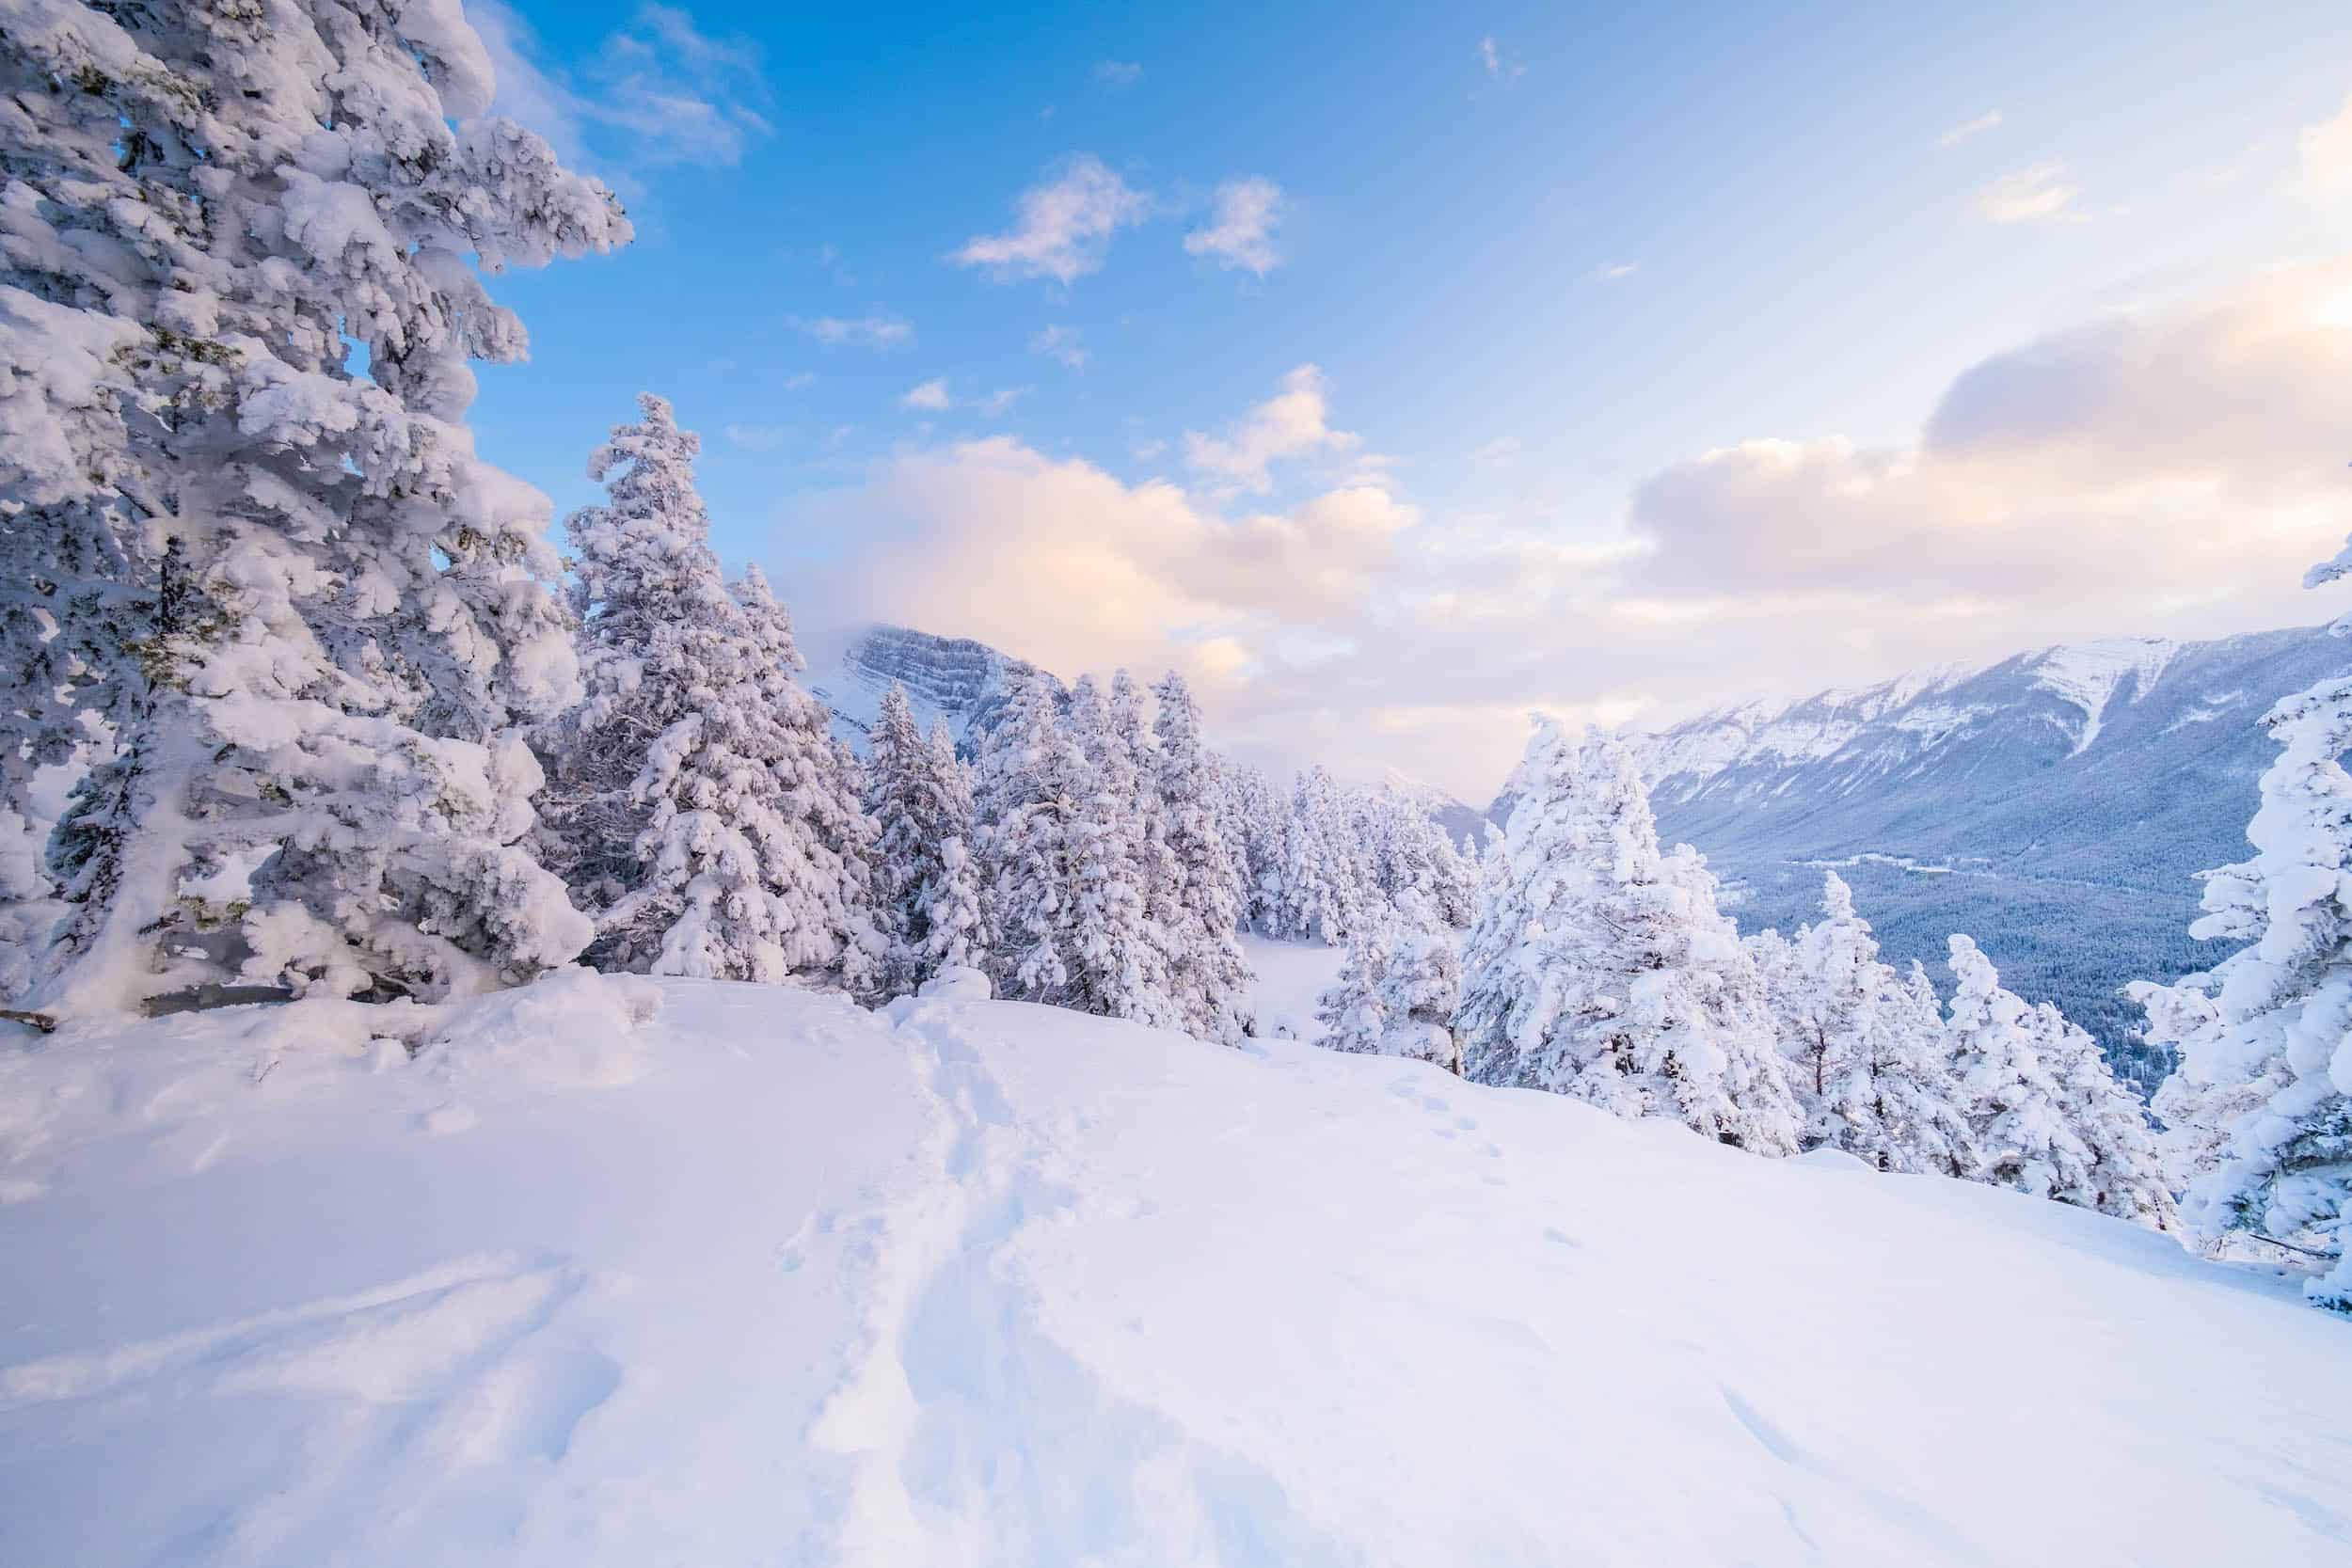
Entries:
{"x":636,"y":1272}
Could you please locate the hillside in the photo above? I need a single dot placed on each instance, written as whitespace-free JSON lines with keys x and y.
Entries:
{"x":632,"y":1271}
{"x":2056,"y":805}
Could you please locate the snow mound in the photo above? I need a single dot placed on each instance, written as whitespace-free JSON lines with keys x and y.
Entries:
{"x":987,"y":1282}
{"x":956,"y":983}
{"x":574,"y":1026}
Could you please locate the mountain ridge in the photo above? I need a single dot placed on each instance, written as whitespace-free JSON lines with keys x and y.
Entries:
{"x":2056,"y":805}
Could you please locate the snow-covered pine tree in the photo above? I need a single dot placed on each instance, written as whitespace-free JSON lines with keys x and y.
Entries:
{"x":822,"y":783}
{"x":955,"y":906}
{"x":1454,"y":879}
{"x":1788,"y":999}
{"x":1327,"y":886}
{"x":1420,"y":988}
{"x":1033,"y":781}
{"x":1351,"y":1010}
{"x":905,"y":828}
{"x":1603,"y":969}
{"x":2198,"y":1111}
{"x":2015,"y":1115}
{"x":1117,"y":955}
{"x":1227,"y":795}
{"x":925,"y":884}
{"x":2125,"y":1178}
{"x":1415,"y":868}
{"x":2264,"y":1082}
{"x":1723,"y":1006}
{"x":1208,"y":979}
{"x":317,"y":623}
{"x":1531,"y":874}
{"x":1302,"y":902}
{"x":1918,"y":1095}
{"x":1868,"y":1068}
{"x":685,"y":800}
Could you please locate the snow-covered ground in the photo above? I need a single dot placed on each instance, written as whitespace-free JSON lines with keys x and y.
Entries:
{"x":641,"y":1273}
{"x":1291,"y":976}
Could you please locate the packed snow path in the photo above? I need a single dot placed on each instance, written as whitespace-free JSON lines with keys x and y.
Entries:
{"x":631,"y":1274}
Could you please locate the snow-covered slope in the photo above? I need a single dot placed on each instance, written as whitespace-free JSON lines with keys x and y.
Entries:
{"x":948,"y":679}
{"x":2056,"y":805}
{"x":759,"y":1277}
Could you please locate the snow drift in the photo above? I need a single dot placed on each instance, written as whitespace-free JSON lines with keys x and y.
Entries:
{"x":631,"y":1272}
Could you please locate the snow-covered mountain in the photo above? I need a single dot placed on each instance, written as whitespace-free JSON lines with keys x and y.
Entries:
{"x":2056,"y":805}
{"x":953,"y":679}
{"x":617,"y":1270}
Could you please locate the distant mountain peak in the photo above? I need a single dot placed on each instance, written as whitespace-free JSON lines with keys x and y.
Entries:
{"x":954,"y":680}
{"x":2089,"y":673}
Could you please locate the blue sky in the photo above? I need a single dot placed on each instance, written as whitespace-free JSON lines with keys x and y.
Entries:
{"x":1380,"y":393}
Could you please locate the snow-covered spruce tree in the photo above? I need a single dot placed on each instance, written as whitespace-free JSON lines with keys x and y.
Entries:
{"x":1867,"y":1068}
{"x":1351,"y":1010}
{"x":1530,"y":875}
{"x":1919,"y":1097}
{"x":1207,"y":978}
{"x":1118,"y":958}
{"x":316,"y":623}
{"x":1454,"y":879}
{"x":954,"y":908}
{"x":1225,"y":793}
{"x":1420,"y":991}
{"x":2125,"y":1178}
{"x":2198,"y":1111}
{"x":2265,"y":1081}
{"x":1327,"y":889}
{"x":1033,"y":782}
{"x":1263,"y":819}
{"x":925,"y":886}
{"x":688,"y":786}
{"x":2012,"y":1102}
{"x":821,"y":780}
{"x":1603,"y":969}
{"x":1415,"y":868}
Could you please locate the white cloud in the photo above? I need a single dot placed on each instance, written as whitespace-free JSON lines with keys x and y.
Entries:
{"x":799,"y":381}
{"x":756,"y":438}
{"x":1501,"y":453}
{"x":1497,"y":69}
{"x":1241,"y":228}
{"x":1118,"y":75}
{"x":1065,"y":225}
{"x":2324,"y":159}
{"x":875,"y":331}
{"x":1061,"y":342}
{"x":2166,"y":471}
{"x":1615,"y":272}
{"x":658,"y":93}
{"x":932,"y":397}
{"x":1287,"y":425}
{"x":1057,"y":560}
{"x":2031,"y":195}
{"x":1968,"y":128}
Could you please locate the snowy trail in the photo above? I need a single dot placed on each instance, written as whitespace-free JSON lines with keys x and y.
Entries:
{"x":977,"y":1437}
{"x":765,"y":1279}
